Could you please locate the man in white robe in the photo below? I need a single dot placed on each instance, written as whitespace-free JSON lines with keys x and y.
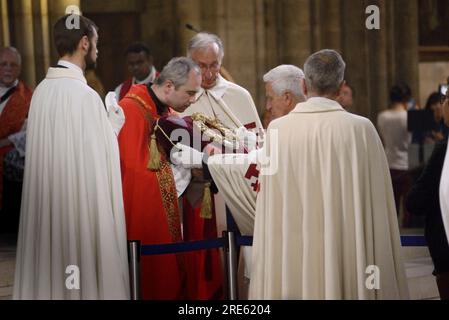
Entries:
{"x":236,"y":175}
{"x":72,"y":236}
{"x":221,"y":99}
{"x":326,"y":225}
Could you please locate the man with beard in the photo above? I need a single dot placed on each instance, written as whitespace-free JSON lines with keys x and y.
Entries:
{"x":72,"y":240}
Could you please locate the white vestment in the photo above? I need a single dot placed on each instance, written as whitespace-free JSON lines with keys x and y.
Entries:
{"x":236,"y":177}
{"x":326,"y":224}
{"x":72,"y":236}
{"x":444,"y":193}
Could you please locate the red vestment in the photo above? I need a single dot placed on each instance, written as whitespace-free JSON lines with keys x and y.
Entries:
{"x":150,"y":199}
{"x":12,"y":119}
{"x":204,"y":267}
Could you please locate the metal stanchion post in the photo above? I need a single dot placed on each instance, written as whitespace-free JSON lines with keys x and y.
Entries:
{"x":134,"y":268}
{"x":231,"y":265}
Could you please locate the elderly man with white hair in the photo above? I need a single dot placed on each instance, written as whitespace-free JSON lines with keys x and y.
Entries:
{"x":325,"y":224}
{"x":236,"y":175}
{"x":283,"y":90}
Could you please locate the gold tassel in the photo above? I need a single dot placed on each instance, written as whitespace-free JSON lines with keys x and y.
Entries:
{"x":206,"y":206}
{"x":154,"y":163}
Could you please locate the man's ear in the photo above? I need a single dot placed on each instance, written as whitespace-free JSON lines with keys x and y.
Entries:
{"x":342,"y":84}
{"x":288,"y":97}
{"x":84,"y":44}
{"x":168,"y":86}
{"x":304,"y":87}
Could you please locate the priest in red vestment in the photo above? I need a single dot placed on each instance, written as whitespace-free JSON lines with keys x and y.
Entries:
{"x":15,"y":99}
{"x":150,"y":196}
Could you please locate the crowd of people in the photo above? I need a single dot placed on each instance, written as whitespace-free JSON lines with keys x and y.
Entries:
{"x":168,"y":152}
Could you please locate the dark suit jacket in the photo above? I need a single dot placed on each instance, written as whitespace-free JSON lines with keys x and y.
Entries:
{"x":424,"y":199}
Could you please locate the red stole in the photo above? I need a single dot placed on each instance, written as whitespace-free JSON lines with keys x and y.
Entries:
{"x":12,"y":119}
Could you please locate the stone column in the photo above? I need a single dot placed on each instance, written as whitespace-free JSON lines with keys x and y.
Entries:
{"x":355,"y":52}
{"x":295,"y":31}
{"x":379,"y":66}
{"x":406,"y":43}
{"x":189,"y":12}
{"x":24,"y":39}
{"x":4,"y":24}
{"x":240,"y":43}
{"x":331,"y":24}
{"x":41,"y":38}
{"x":157,"y":29}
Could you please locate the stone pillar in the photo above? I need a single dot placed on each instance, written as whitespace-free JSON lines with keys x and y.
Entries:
{"x":24,"y":39}
{"x":295,"y":31}
{"x":41,"y":38}
{"x":355,"y":53}
{"x":4,"y":24}
{"x":189,"y":12}
{"x":240,"y":43}
{"x":331,"y":24}
{"x":379,"y":67}
{"x":157,"y":29}
{"x":407,"y":43}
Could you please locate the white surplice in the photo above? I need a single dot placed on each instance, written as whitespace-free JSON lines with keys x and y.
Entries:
{"x":72,"y":216}
{"x":326,"y":213}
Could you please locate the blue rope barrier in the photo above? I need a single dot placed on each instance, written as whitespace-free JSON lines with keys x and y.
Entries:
{"x":182,"y":246}
{"x":413,"y":241}
{"x":406,"y":241}
{"x":246,"y":241}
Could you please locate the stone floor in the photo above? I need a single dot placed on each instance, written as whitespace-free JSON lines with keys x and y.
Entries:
{"x":418,"y":268}
{"x":7,"y":263}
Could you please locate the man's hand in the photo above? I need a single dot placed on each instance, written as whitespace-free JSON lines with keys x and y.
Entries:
{"x":115,"y":112}
{"x":186,"y":156}
{"x":248,"y":138}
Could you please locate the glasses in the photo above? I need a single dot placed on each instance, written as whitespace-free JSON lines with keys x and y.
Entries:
{"x":214,"y":67}
{"x":443,"y":98}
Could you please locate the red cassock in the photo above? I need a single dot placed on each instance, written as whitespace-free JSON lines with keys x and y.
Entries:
{"x":204,"y":267}
{"x":12,"y":119}
{"x":150,"y":200}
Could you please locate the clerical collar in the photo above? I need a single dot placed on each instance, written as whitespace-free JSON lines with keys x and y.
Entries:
{"x":4,"y":89}
{"x":70,"y":65}
{"x":160,"y":106}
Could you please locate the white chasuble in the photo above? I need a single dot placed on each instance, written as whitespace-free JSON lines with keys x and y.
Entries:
{"x":72,"y":236}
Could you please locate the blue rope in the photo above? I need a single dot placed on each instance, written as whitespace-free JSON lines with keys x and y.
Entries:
{"x":413,"y":241}
{"x":181,"y":246}
{"x":406,"y":241}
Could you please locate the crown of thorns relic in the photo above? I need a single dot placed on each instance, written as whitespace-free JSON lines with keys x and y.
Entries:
{"x":215,"y":130}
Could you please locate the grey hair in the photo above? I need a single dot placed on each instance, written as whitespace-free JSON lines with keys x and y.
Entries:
{"x":203,"y":40}
{"x":285,"y":77}
{"x":324,"y":71}
{"x":13,"y":50}
{"x":177,"y":71}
